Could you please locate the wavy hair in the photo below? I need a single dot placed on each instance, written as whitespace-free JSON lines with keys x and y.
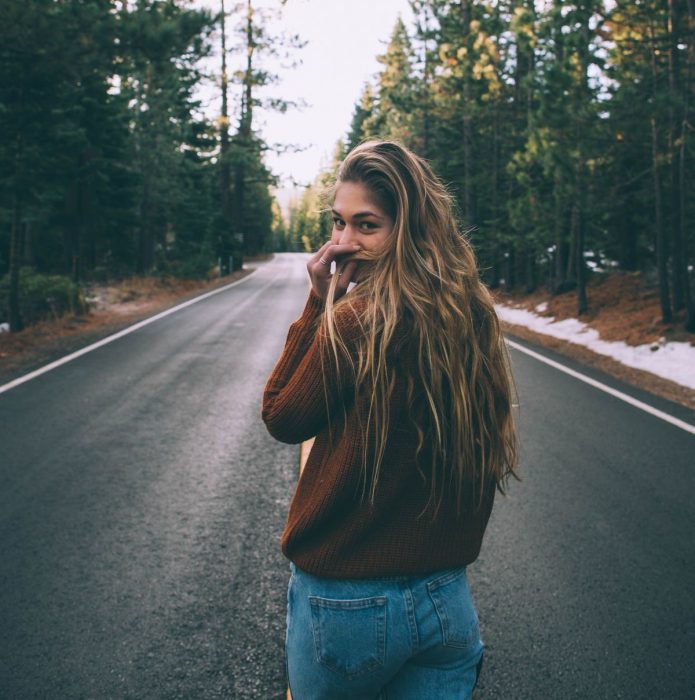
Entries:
{"x":426,"y":280}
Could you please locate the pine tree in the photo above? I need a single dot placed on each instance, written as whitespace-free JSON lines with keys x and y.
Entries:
{"x":166,"y":44}
{"x":395,"y":114}
{"x":650,"y":44}
{"x":252,"y":206}
{"x":363,"y":115}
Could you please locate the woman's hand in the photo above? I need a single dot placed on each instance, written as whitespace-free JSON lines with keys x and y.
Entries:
{"x":319,"y":267}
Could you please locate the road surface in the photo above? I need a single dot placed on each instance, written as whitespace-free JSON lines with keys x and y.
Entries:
{"x":142,"y":501}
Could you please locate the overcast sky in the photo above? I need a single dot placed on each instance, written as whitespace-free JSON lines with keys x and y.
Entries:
{"x":344,"y":37}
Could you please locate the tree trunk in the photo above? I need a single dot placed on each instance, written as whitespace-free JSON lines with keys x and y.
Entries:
{"x":428,"y":68}
{"x":75,"y":237}
{"x":679,"y":271}
{"x":15,"y":243}
{"x":86,"y":211}
{"x":245,"y":133}
{"x":560,"y":242}
{"x":510,"y":269}
{"x":225,"y":179}
{"x":688,"y":297}
{"x":147,"y":151}
{"x":15,"y":319}
{"x":496,"y":215}
{"x":582,"y":304}
{"x":27,"y":255}
{"x":519,"y":274}
{"x":94,"y":231}
{"x":224,"y":246}
{"x":496,"y":266}
{"x":582,"y":128}
{"x":73,"y":217}
{"x":571,"y":270}
{"x":627,"y":234}
{"x":689,"y":93}
{"x":530,"y":269}
{"x":145,"y":244}
{"x":660,"y":242}
{"x":468,"y":197}
{"x":239,"y":194}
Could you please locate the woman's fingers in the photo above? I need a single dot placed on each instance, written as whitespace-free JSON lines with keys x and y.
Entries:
{"x":346,"y":274}
{"x":345,"y":277}
{"x":319,"y":265}
{"x":328,"y":253}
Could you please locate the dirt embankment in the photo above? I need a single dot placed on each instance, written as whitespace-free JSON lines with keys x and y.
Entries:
{"x":622,"y":306}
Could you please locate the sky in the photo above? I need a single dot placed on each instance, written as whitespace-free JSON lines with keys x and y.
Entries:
{"x":343,"y":37}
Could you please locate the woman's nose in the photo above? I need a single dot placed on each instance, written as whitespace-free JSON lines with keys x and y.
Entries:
{"x":347,"y":235}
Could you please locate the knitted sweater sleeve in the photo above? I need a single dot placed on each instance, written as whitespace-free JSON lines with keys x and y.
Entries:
{"x":296,"y":400}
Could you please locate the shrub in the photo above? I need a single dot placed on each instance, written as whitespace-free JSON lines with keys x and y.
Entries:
{"x":194,"y":267}
{"x":42,"y":296}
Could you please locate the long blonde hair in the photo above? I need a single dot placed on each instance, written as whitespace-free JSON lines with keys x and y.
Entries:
{"x":427,"y":278}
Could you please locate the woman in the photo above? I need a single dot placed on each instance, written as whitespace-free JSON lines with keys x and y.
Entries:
{"x":405,"y":382}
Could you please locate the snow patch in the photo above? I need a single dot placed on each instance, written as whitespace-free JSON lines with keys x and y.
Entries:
{"x":674,"y":361}
{"x":4,"y":327}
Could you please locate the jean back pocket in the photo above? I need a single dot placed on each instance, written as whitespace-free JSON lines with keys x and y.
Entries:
{"x":455,"y":608}
{"x":349,"y":635}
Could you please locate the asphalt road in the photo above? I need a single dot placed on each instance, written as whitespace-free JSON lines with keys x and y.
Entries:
{"x":141,"y":506}
{"x":142,"y":501}
{"x":586,"y":581}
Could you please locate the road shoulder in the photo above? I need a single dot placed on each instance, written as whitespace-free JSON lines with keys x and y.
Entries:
{"x":640,"y":379}
{"x":48,"y":341}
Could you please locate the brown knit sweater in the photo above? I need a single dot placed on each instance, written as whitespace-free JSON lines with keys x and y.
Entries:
{"x":329,"y":532}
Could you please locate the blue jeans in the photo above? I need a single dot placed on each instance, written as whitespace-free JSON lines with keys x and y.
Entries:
{"x":393,"y":638}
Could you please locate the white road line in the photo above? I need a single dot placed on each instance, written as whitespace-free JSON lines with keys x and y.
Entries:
{"x":604,"y":387}
{"x":115,"y":336}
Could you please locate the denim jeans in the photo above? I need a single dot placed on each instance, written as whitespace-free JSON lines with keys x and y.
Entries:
{"x":388,"y":638}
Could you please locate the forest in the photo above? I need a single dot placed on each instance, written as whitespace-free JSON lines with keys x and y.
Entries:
{"x":109,"y":165}
{"x":563,"y":130}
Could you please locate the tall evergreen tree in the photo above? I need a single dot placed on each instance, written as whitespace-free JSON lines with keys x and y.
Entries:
{"x":252,"y":211}
{"x":395,"y":114}
{"x":166,"y":44}
{"x":362,"y":116}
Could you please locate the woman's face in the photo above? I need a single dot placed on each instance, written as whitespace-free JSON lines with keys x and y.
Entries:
{"x":357,"y":218}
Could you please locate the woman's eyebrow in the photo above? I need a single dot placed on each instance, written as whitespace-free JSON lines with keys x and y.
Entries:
{"x":360,"y":215}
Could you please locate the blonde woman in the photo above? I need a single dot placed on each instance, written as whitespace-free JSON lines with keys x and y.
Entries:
{"x":405,"y":383}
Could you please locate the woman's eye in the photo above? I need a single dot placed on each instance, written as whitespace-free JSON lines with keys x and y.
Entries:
{"x":339,"y":223}
{"x":367,"y":226}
